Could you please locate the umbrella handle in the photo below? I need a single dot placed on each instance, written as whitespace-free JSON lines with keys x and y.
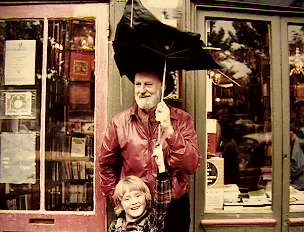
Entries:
{"x":131,"y":19}
{"x":162,"y":98}
{"x":163,"y":81}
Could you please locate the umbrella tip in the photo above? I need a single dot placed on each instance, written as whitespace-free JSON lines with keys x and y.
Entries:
{"x":212,"y":48}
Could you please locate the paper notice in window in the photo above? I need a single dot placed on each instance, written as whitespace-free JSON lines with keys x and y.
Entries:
{"x":215,"y":184}
{"x":78,"y":147}
{"x":20,"y":62}
{"x":17,"y":163}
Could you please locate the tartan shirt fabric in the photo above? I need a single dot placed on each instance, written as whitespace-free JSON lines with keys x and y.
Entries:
{"x":153,"y":219}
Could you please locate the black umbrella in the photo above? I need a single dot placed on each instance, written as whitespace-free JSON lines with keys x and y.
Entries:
{"x":143,"y":43}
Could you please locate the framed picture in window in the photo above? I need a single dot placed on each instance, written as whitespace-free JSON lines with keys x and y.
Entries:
{"x":81,"y":66}
{"x":18,"y":104}
{"x":79,"y":96}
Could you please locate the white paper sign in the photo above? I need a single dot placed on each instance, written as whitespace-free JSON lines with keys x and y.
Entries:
{"x":20,"y":62}
{"x":17,"y":163}
{"x":215,"y":184}
{"x":209,"y":97}
{"x":78,"y":147}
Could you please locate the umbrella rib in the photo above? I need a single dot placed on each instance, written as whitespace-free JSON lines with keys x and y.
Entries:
{"x":151,"y":49}
{"x":229,"y":78}
{"x":181,"y":51}
{"x":178,"y":57}
{"x":169,"y":55}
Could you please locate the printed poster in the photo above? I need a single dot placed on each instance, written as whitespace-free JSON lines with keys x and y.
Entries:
{"x":20,"y":62}
{"x":215,"y":184}
{"x":17,"y":163}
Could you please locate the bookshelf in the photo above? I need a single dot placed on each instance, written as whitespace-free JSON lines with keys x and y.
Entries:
{"x":69,"y":183}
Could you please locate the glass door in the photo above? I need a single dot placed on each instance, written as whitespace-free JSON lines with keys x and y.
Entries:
{"x":51,"y":68}
{"x":254,"y":121}
{"x":239,"y":117}
{"x":293,"y":77}
{"x":242,"y":119}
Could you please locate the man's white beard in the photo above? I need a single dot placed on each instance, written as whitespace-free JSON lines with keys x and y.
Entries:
{"x":148,"y":102}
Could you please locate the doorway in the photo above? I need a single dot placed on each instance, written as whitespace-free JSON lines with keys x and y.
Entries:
{"x":248,"y":116}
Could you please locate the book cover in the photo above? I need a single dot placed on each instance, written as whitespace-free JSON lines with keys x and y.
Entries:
{"x":81,"y":66}
{"x":79,"y":97}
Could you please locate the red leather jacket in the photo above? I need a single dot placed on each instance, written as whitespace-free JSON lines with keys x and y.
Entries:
{"x":128,"y":146}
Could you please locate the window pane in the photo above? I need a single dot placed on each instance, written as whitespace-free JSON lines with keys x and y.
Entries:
{"x":70,"y":115}
{"x":296,"y":75}
{"x":239,"y":117}
{"x":20,"y":88}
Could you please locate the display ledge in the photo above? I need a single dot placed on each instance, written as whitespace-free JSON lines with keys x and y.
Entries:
{"x":24,"y":2}
{"x":239,"y":222}
{"x":295,"y":221}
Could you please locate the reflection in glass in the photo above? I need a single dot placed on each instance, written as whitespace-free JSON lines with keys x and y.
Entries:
{"x":20,"y":85}
{"x":70,"y":116}
{"x":292,"y":3}
{"x":239,"y":118}
{"x":296,"y":76}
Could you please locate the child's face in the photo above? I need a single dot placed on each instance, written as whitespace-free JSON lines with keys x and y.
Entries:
{"x":134,"y":204}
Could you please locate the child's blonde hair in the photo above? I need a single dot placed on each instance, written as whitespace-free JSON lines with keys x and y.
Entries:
{"x":127,"y":184}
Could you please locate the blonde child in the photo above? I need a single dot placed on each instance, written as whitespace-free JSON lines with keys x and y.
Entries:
{"x":135,"y":209}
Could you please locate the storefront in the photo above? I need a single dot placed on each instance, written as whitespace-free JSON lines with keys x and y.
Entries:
{"x":54,"y":71}
{"x":59,"y":86}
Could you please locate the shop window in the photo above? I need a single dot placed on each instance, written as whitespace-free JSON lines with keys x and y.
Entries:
{"x":296,"y":80}
{"x":239,"y":164}
{"x":47,"y":123}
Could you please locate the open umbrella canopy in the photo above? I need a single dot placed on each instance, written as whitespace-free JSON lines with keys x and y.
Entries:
{"x":143,"y":43}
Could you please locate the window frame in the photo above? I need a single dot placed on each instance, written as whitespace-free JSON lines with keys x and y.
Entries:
{"x":78,"y":221}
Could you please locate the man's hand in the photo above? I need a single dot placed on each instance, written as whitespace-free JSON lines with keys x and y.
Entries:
{"x":162,"y":115}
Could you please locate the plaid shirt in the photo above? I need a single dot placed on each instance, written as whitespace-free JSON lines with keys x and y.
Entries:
{"x":153,"y":219}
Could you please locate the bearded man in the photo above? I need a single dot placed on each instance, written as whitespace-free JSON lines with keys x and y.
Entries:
{"x":131,"y":138}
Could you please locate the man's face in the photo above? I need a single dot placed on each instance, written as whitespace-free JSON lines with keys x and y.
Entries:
{"x":147,"y":88}
{"x":134,"y":204}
